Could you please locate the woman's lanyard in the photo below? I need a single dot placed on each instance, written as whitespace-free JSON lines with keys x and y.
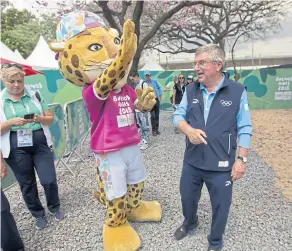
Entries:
{"x":14,"y":113}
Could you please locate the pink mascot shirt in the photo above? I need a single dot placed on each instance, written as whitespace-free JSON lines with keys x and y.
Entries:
{"x":113,"y":120}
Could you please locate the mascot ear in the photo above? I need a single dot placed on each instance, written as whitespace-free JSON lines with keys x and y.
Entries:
{"x":115,"y":32}
{"x":57,"y":46}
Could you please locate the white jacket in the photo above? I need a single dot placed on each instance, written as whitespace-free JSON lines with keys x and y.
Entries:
{"x":5,"y":138}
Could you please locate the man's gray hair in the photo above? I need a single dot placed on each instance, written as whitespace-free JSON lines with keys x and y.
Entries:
{"x":214,"y":51}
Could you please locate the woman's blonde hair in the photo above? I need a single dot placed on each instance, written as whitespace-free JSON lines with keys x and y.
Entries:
{"x":7,"y":73}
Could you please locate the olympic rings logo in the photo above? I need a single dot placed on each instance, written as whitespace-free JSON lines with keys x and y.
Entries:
{"x":226,"y":103}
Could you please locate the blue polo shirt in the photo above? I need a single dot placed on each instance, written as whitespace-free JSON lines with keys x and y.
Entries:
{"x":157,"y":89}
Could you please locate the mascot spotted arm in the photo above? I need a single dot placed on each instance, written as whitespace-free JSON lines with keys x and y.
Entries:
{"x":92,"y":55}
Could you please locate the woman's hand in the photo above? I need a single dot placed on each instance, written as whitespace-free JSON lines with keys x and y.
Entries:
{"x":18,"y":121}
{"x":37,"y":118}
{"x":46,"y":118}
{"x":3,"y":172}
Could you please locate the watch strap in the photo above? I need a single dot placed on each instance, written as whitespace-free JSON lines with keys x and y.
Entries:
{"x":243,"y":159}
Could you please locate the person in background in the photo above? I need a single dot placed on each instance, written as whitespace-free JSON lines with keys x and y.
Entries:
{"x":169,"y":87}
{"x":214,"y":115}
{"x":170,"y":84}
{"x":24,"y":111}
{"x":10,"y":237}
{"x":178,"y":91}
{"x":190,"y":80}
{"x":141,"y":117}
{"x":156,"y":109}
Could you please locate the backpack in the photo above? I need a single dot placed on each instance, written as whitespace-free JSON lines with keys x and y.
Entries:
{"x":143,"y":84}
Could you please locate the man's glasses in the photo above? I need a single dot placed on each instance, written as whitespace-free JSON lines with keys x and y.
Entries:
{"x":9,"y":65}
{"x":181,"y":77}
{"x":203,"y":63}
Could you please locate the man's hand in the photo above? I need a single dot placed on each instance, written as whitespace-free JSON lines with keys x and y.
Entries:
{"x":238,"y":170}
{"x":196,"y":136}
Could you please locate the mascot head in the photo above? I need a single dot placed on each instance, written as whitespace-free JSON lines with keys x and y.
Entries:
{"x":85,"y":47}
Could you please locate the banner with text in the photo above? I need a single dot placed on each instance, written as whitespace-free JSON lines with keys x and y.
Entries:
{"x":266,"y":88}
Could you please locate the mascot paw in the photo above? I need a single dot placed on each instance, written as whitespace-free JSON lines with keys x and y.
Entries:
{"x":121,"y":238}
{"x":146,"y":98}
{"x":129,"y":38}
{"x":147,"y":211}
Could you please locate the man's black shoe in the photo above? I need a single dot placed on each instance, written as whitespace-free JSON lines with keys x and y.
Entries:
{"x":182,"y":231}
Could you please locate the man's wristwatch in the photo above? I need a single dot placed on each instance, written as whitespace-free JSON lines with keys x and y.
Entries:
{"x":243,"y":159}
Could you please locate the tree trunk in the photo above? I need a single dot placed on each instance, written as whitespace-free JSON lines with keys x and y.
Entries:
{"x":136,"y":59}
{"x":135,"y":64}
{"x":222,"y":44}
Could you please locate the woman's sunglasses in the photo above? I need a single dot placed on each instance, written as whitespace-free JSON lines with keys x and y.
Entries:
{"x":9,"y":65}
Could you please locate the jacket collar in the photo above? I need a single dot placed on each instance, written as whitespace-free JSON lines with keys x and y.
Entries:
{"x":223,"y":83}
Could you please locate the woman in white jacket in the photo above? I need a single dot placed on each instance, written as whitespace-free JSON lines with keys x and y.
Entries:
{"x":26,"y":142}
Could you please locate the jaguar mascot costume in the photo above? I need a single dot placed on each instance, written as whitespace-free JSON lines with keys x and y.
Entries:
{"x":91,"y":55}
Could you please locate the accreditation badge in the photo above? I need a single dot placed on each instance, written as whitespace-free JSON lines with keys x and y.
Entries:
{"x":24,"y":138}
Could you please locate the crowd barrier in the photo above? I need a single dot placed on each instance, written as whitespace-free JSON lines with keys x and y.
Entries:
{"x":77,"y":126}
{"x":69,"y":130}
{"x":59,"y":136}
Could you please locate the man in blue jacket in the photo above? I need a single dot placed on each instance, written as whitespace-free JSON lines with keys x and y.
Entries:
{"x":213,"y":114}
{"x":155,"y":110}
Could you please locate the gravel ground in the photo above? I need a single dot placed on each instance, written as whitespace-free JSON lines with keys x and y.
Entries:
{"x":260,"y":218}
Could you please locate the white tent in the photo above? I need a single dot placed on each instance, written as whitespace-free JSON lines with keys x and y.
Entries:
{"x":16,"y":52}
{"x":42,"y":56}
{"x":151,"y":65}
{"x":8,"y":54}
